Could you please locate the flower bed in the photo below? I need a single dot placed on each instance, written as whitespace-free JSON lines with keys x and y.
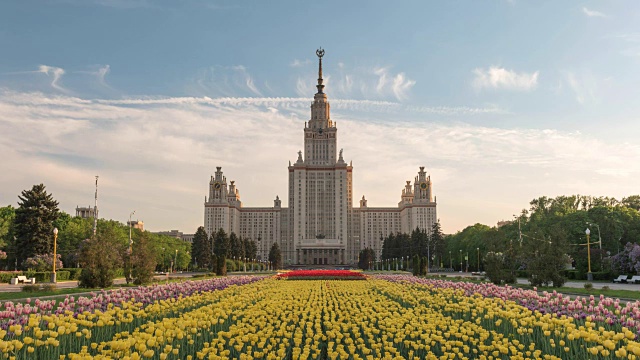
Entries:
{"x":373,"y":319}
{"x":322,"y":275}
{"x":599,"y":309}
{"x":18,"y":313}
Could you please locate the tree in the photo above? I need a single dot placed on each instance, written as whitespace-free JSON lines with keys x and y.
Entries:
{"x":436,"y":241}
{"x":143,"y":260}
{"x":237,"y":246}
{"x":101,"y":257}
{"x":546,"y":257}
{"x":201,"y":249}
{"x":416,"y":265}
{"x":35,"y":215}
{"x":7,"y":217}
{"x":251,"y":249}
{"x":365,"y":258}
{"x":275,"y":257}
{"x":221,"y":248}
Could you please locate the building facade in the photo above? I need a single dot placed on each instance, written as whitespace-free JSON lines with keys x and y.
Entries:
{"x":320,"y":226}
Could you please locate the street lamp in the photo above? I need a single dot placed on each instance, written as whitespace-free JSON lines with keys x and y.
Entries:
{"x":599,"y":242}
{"x":55,"y":243}
{"x":460,"y":260}
{"x":130,"y":247}
{"x":450,"y":261}
{"x":589,"y":274}
{"x":478,"y":259}
{"x":176,"y":260}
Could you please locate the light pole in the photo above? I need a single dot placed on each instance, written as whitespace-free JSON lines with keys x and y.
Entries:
{"x":589,"y":274}
{"x":460,"y":260}
{"x":450,"y":261}
{"x":131,"y":248}
{"x":599,"y":242}
{"x":478,"y":259}
{"x":55,"y":257}
{"x":176,"y":260}
{"x":466,"y":258}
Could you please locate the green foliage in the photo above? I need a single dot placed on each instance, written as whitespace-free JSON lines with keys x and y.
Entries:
{"x":7,"y":216}
{"x":498,"y":268}
{"x":365,"y":258}
{"x":74,"y":273}
{"x":102,"y":257}
{"x":201,"y":249}
{"x":275,"y":256}
{"x":221,"y":265}
{"x":33,"y":224}
{"x":588,"y":285}
{"x":416,"y":265}
{"x":251,"y":249}
{"x":424,"y":266}
{"x":143,"y":260}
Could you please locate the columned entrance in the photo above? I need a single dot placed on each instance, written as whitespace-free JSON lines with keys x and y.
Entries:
{"x":320,"y":252}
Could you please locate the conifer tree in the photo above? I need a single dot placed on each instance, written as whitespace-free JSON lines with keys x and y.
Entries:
{"x":33,"y":224}
{"x":275,"y":256}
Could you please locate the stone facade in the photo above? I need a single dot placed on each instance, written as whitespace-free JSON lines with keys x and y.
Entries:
{"x":320,"y":226}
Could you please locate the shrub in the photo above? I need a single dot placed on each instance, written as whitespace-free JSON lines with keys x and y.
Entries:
{"x":31,"y":288}
{"x":6,"y":276}
{"x":416,"y":265}
{"x":606,"y":288}
{"x":42,"y":262}
{"x":143,"y":261}
{"x":424,"y":263}
{"x":231,"y":265}
{"x":74,"y":273}
{"x":588,"y":285}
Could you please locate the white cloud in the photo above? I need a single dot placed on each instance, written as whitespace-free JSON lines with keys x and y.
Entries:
{"x":55,"y":73}
{"x":300,"y":63}
{"x":501,"y":78}
{"x":401,"y":86}
{"x":593,"y":13}
{"x":156,"y":155}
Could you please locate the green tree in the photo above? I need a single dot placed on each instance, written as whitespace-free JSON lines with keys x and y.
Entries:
{"x":275,"y":256}
{"x":221,"y":248}
{"x":437,"y":241}
{"x":143,"y":260}
{"x":416,"y":265}
{"x":7,"y":217}
{"x":365,"y":258}
{"x":36,"y":213}
{"x":201,"y":249}
{"x":251,"y":249}
{"x":101,"y":257}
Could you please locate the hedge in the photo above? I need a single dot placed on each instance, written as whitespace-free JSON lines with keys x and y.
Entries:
{"x":74,"y":273}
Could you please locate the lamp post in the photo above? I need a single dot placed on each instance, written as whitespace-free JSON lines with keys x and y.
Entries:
{"x":599,"y":242}
{"x":176,"y":260}
{"x":55,"y":257}
{"x":460,"y":260}
{"x":244,"y":264}
{"x":589,"y":274}
{"x":466,"y":258}
{"x":478,"y":258}
{"x":450,"y":261}
{"x":131,"y":248}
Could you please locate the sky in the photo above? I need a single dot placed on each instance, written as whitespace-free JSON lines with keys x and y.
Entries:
{"x":501,"y":101}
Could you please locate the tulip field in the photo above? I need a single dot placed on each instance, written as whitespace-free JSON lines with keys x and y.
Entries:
{"x":380,"y":317}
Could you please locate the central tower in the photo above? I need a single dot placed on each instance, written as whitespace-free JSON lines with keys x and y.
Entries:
{"x":320,"y":196}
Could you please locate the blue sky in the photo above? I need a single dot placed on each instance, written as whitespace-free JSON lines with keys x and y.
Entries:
{"x":502,"y":101}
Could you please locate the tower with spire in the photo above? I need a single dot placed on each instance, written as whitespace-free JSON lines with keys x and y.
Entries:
{"x":320,"y":226}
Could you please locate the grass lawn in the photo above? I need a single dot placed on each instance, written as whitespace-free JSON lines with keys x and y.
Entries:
{"x":622,"y":294}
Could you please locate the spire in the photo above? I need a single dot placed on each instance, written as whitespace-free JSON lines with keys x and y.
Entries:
{"x":320,"y":53}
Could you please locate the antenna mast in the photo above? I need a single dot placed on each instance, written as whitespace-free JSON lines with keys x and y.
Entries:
{"x":95,"y":210}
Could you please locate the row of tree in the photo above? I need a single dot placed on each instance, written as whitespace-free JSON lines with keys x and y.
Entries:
{"x":546,"y":239}
{"x":420,"y":242}
{"x":26,"y":237}
{"x":213,"y":251}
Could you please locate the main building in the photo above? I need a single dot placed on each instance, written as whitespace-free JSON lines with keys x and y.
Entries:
{"x":320,"y":226}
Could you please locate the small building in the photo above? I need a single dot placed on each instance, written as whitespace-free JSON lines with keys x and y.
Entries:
{"x":85,"y":212}
{"x":136,"y":224}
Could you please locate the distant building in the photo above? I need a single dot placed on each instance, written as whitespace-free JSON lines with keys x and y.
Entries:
{"x":176,"y":234}
{"x":503,"y":223}
{"x":136,"y":224}
{"x":321,"y":225}
{"x":85,"y":212}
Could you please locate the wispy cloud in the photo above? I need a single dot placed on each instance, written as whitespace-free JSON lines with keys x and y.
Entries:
{"x":55,"y":73}
{"x":501,"y":78}
{"x":378,"y":82}
{"x":64,"y":141}
{"x":224,"y":81}
{"x":300,"y":63}
{"x":584,"y":86}
{"x":593,"y":13}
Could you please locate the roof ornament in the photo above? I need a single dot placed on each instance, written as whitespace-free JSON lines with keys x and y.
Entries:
{"x":320,"y":54}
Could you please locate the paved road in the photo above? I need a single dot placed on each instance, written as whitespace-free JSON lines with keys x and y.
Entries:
{"x":573,"y":284}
